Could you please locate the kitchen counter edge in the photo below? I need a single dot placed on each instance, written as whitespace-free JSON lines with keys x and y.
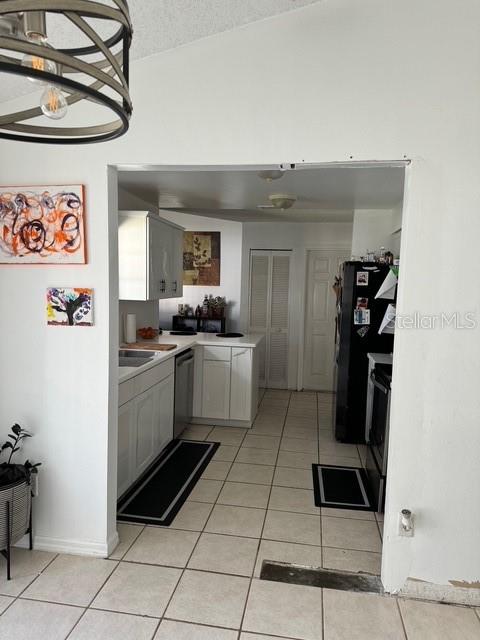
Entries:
{"x":249,"y":341}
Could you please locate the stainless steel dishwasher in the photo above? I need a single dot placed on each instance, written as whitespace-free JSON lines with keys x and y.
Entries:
{"x":183,"y":391}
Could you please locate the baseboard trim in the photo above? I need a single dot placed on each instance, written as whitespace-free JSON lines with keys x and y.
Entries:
{"x":420,"y":590}
{"x":72,"y":547}
{"x":222,"y":423}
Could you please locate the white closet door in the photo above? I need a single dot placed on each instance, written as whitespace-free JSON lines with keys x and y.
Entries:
{"x":277,"y":371}
{"x":259,"y":296}
{"x":269,"y":300}
{"x":320,"y":319}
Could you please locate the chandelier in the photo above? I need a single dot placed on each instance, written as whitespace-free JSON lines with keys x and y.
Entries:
{"x":92,"y":73}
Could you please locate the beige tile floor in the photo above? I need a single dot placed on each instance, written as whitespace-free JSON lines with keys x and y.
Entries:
{"x":199,"y":578}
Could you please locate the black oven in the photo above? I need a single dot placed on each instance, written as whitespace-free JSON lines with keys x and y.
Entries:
{"x":376,"y":464}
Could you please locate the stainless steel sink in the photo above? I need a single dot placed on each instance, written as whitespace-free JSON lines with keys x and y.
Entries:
{"x":132,"y":353}
{"x":132,"y":358}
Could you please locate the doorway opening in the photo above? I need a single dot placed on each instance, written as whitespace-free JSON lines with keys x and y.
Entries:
{"x":280,"y":262}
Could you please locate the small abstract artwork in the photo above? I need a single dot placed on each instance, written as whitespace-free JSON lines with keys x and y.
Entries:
{"x":42,"y":225}
{"x":70,"y":307}
{"x":201,"y":258}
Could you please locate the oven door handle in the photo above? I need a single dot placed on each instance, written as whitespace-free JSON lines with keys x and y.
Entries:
{"x":377,"y":384}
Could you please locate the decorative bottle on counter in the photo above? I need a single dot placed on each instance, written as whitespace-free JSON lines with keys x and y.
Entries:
{"x":198,"y":311}
{"x":205,"y":307}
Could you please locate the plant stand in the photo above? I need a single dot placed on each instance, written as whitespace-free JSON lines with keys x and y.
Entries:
{"x":17,"y":521}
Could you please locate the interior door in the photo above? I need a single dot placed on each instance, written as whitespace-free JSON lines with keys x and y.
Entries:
{"x":269,"y":312}
{"x":319,"y":344}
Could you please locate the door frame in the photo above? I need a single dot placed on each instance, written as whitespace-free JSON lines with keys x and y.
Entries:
{"x":304,"y":300}
{"x":112,"y":189}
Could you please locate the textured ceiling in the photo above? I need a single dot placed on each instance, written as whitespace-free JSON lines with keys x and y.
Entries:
{"x":165,"y":24}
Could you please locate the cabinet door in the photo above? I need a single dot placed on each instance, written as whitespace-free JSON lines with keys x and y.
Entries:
{"x":145,"y":430}
{"x":241,"y":384}
{"x":125,"y":467}
{"x":216,"y":389}
{"x":164,"y":396}
{"x":132,"y":252}
{"x":159,"y":259}
{"x":177,"y":263}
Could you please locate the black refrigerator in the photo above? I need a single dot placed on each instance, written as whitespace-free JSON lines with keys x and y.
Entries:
{"x":359,"y":316}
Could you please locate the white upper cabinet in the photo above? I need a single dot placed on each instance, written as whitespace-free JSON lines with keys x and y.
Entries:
{"x":177,"y":266}
{"x":150,"y":255}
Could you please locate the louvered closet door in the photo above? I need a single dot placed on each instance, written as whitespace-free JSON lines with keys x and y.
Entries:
{"x":259,"y":294}
{"x":269,"y":300}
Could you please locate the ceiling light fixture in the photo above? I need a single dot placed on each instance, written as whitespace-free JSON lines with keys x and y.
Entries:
{"x":279,"y":201}
{"x":97,"y":71}
{"x":270,"y":175}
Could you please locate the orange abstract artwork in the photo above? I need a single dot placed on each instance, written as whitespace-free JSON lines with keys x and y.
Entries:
{"x":42,"y":225}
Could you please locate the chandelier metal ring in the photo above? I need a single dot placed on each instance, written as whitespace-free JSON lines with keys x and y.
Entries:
{"x":104,"y":81}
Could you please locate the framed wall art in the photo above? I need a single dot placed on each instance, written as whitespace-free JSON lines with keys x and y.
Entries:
{"x":201,"y":258}
{"x":42,"y":225}
{"x":70,"y":306}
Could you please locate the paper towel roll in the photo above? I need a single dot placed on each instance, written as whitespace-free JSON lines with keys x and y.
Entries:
{"x":131,"y":328}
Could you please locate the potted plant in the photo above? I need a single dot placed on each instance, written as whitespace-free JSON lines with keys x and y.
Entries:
{"x":15,"y":494}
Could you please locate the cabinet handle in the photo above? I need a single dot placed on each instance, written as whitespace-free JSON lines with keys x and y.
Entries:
{"x":162,"y":286}
{"x":174,"y":286}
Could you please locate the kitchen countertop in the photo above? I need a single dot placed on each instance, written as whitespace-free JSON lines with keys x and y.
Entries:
{"x":186,"y":342}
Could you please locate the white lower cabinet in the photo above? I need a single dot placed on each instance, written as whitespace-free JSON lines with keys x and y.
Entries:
{"x":126,"y":421}
{"x":145,"y":425}
{"x":216,"y":389}
{"x":164,"y":396}
{"x":241,"y":384}
{"x":145,"y":430}
{"x":226,"y":384}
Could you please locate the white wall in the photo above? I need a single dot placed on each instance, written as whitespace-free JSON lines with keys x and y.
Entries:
{"x":230,"y":268}
{"x":372,"y":229}
{"x":297,"y":237}
{"x":370,"y":80}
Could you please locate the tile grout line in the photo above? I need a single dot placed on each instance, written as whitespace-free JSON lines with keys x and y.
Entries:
{"x":200,"y":533}
{"x":87,"y":607}
{"x":261,"y":533}
{"x":118,"y":565}
{"x":19,"y":595}
{"x":401,"y":617}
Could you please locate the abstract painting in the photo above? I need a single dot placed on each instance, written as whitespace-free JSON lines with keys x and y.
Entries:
{"x":70,"y":307}
{"x":201,"y":258}
{"x":42,"y":225}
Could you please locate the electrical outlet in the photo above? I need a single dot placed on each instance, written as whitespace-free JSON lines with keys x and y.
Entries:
{"x":406,"y":525}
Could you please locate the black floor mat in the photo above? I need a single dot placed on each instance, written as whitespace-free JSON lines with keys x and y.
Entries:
{"x":342,"y":487}
{"x":159,"y":494}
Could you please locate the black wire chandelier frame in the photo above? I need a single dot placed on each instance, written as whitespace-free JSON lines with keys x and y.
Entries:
{"x":109,"y":71}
